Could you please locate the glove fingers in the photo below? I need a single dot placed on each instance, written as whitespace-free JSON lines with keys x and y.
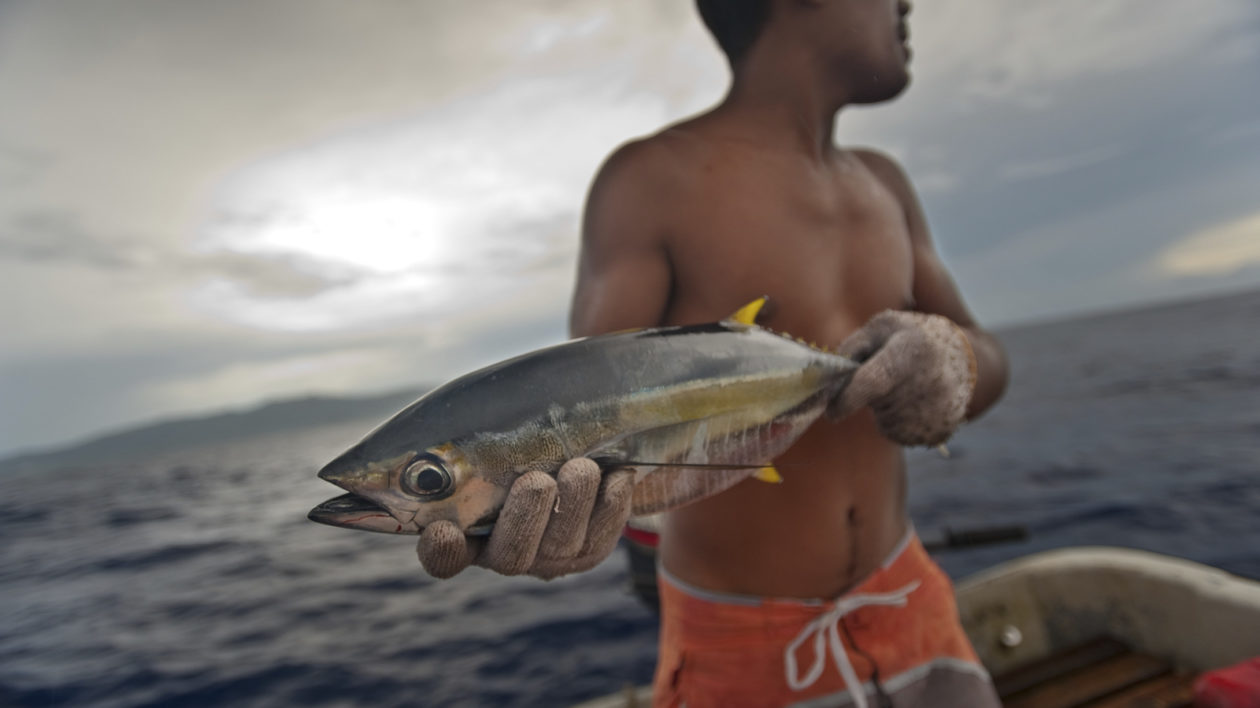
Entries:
{"x":577,"y":488}
{"x":513,"y":545}
{"x":871,"y":381}
{"x":860,"y":345}
{"x":609,"y":518}
{"x":610,"y":514}
{"x":914,"y":429}
{"x":443,"y":549}
{"x":926,"y":408}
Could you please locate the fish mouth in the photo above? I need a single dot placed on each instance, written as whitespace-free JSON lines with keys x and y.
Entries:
{"x":351,"y":511}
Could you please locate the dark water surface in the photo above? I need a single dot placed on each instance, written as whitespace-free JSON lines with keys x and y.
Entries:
{"x":195,"y":580}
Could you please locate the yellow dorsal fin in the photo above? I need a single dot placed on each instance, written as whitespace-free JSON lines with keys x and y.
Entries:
{"x":748,"y":313}
{"x":769,"y":474}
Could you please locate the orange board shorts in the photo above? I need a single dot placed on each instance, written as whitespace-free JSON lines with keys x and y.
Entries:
{"x":894,"y":640}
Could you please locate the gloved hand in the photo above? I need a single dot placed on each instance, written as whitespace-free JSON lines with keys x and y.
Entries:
{"x":917,"y":373}
{"x":535,"y":535}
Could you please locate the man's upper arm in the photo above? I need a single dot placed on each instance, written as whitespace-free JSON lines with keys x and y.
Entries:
{"x":623,"y":269}
{"x":935,"y":293}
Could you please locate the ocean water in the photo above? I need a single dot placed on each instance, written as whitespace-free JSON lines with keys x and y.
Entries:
{"x":194,"y":579}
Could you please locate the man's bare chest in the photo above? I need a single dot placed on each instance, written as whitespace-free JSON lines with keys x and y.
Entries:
{"x":834,"y":251}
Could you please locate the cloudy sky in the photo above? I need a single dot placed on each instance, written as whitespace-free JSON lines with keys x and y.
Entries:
{"x":207,"y":205}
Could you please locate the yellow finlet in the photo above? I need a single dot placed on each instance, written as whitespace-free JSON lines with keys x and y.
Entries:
{"x":748,"y":313}
{"x":769,"y":474}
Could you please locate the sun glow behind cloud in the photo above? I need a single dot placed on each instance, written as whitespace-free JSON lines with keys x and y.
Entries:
{"x":379,"y":233}
{"x":424,"y":215}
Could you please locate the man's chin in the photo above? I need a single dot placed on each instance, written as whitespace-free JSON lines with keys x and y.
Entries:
{"x":887,"y":89}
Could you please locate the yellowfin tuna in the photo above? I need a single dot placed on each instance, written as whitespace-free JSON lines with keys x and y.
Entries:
{"x":694,"y":409}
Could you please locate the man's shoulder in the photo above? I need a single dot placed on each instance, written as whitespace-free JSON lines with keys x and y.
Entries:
{"x":889,"y":173}
{"x":650,"y":158}
{"x":634,"y":196}
{"x":644,"y":177}
{"x":883,"y":165}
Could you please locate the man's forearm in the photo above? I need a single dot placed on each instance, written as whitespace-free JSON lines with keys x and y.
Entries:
{"x":992,"y":371}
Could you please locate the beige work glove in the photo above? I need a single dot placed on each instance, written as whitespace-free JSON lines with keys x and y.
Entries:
{"x":917,"y":374}
{"x":535,"y":535}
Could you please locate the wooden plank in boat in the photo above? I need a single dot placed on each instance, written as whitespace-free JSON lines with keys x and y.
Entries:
{"x":1057,"y":665}
{"x":1169,"y":691}
{"x":1091,"y":683}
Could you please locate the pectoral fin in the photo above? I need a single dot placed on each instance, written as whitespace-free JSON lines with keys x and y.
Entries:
{"x":769,"y":474}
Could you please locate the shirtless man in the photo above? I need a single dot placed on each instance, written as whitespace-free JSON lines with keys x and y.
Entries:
{"x":754,"y":198}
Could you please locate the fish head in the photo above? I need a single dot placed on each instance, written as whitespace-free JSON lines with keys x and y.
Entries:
{"x":414,"y":488}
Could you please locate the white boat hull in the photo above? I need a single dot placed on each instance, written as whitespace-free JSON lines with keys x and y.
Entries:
{"x":1195,"y":616}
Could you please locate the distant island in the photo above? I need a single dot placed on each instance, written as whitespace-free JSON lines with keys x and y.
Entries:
{"x":276,"y":417}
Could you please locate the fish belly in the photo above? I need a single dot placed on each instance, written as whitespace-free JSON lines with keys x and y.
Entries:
{"x":709,"y":443}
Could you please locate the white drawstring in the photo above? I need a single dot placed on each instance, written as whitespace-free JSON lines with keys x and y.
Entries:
{"x":826,"y":624}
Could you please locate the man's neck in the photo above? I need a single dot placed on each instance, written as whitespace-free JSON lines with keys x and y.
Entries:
{"x":786,"y":98}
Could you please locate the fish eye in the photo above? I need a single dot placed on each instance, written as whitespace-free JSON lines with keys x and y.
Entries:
{"x":426,"y":477}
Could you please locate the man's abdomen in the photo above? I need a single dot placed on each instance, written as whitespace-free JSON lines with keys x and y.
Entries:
{"x":835,"y":517}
